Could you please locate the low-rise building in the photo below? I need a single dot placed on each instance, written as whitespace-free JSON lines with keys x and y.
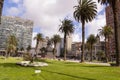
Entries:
{"x":76,"y":50}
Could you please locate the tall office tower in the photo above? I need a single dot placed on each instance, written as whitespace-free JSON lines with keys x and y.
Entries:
{"x":69,"y":43}
{"x":110,"y":22}
{"x":19,"y":27}
{"x":1,"y":6}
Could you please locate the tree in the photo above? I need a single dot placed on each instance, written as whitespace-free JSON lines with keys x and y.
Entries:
{"x":28,"y":48}
{"x":21,"y":49}
{"x":39,"y":37}
{"x":49,"y":43}
{"x":101,"y":55}
{"x":67,"y":28}
{"x":114,"y":5}
{"x":85,"y":12}
{"x":91,"y":40}
{"x":56,"y":39}
{"x":106,"y":31}
{"x":28,"y":57}
{"x":43,"y":51}
{"x":11,"y":45}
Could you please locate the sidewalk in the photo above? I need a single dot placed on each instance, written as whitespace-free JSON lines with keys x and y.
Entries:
{"x":77,"y":61}
{"x":104,"y":64}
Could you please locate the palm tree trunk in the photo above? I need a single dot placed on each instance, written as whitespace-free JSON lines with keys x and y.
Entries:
{"x":106,"y":55}
{"x":108,"y":50}
{"x":65,"y":46}
{"x":91,"y":54}
{"x":6,"y":54}
{"x":36,"y":48}
{"x":54,"y":51}
{"x":83,"y":37}
{"x":116,"y":31}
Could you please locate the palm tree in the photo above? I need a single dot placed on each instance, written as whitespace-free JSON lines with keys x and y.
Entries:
{"x":106,"y":31}
{"x":43,"y":50}
{"x":21,"y":49}
{"x":12,"y":40}
{"x":100,"y":54}
{"x":28,"y":48}
{"x":39,"y":37}
{"x":56,"y":39}
{"x":85,"y":12}
{"x":10,"y":49}
{"x":11,"y":45}
{"x":114,"y":5}
{"x":67,"y":28}
{"x":91,"y":40}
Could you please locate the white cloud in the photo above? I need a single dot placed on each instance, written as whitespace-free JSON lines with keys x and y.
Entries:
{"x":47,"y":14}
{"x":96,"y":24}
{"x":13,"y":11}
{"x":15,"y":1}
{"x":76,"y":38}
{"x":16,"y":10}
{"x":99,"y":6}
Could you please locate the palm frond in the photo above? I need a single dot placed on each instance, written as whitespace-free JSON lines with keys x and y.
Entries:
{"x":85,"y":11}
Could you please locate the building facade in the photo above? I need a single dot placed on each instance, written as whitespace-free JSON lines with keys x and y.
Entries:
{"x":98,"y":48}
{"x":69,"y":43}
{"x":42,"y":44}
{"x":1,"y":6}
{"x":19,"y":27}
{"x":110,"y":22}
{"x":59,"y":47}
{"x":76,"y":49}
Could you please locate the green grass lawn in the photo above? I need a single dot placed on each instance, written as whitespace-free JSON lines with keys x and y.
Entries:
{"x":57,"y":71}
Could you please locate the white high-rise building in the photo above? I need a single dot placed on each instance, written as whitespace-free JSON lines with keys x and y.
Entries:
{"x":69,"y":43}
{"x":21,"y":28}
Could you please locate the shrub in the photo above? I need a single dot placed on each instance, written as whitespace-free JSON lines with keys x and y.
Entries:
{"x":28,"y":57}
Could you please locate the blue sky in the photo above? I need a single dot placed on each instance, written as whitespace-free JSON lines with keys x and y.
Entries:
{"x":46,"y":15}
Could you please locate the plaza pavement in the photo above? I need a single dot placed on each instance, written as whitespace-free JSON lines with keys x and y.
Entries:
{"x":96,"y":63}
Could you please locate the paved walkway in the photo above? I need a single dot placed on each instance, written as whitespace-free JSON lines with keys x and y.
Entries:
{"x":105,"y":64}
{"x":96,"y":63}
